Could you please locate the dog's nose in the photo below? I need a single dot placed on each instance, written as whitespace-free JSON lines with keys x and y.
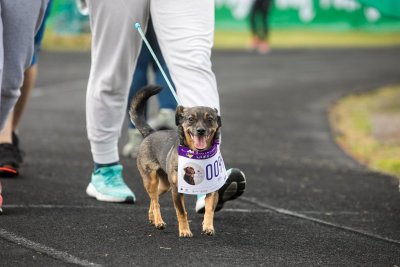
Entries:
{"x":201,"y":131}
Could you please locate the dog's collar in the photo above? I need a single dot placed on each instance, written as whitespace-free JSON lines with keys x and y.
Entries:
{"x":204,"y":154}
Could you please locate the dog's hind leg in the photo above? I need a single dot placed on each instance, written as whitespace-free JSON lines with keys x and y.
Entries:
{"x":210,"y":204}
{"x":163,"y":183}
{"x":151,"y":185}
{"x":181,"y":214}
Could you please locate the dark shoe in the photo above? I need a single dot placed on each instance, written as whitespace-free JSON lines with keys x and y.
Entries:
{"x":232,"y":189}
{"x":10,"y":159}
{"x":15,"y":140}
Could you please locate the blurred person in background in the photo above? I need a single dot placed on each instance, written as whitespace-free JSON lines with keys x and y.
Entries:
{"x":10,"y":153}
{"x":259,"y":25}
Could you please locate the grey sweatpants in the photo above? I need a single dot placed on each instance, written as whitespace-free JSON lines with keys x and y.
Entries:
{"x":185,"y":32}
{"x":19,"y":21}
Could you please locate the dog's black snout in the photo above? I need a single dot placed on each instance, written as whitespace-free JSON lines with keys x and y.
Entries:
{"x":201,"y":131}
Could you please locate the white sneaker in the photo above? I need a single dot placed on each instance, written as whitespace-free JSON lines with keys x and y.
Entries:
{"x":134,"y":139}
{"x":165,"y":119}
{"x":232,"y":189}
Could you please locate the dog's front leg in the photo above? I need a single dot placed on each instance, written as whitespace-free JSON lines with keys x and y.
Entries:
{"x":210,"y":204}
{"x":151,"y":185}
{"x":181,"y":214}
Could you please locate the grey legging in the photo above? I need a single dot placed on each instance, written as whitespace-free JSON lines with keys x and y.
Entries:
{"x":19,"y":21}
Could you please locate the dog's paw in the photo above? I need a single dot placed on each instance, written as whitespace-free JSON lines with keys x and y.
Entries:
{"x":208,"y":231}
{"x":160,"y":226}
{"x":186,"y":233}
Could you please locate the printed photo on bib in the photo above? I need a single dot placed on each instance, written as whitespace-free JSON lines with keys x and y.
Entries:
{"x":200,"y":172}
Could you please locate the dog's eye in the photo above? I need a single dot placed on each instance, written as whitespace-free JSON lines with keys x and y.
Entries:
{"x":210,"y":119}
{"x":191,"y":119}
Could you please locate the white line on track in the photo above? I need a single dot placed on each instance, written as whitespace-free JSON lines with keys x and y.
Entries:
{"x":59,"y":255}
{"x":240,"y":210}
{"x":64,"y":87}
{"x":64,"y":256}
{"x":319,"y":221}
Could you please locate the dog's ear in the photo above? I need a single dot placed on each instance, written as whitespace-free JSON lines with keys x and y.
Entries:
{"x":179,"y":115}
{"x":217,"y":135}
{"x":218,"y":118}
{"x":181,"y":135}
{"x":178,"y":121}
{"x":218,"y":132}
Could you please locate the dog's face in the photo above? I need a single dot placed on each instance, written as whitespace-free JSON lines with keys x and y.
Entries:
{"x":189,"y":171}
{"x":198,"y":127}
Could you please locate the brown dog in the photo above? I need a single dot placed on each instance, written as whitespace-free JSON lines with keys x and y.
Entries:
{"x":157,"y":159}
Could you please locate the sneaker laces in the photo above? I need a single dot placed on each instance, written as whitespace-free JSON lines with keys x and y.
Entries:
{"x":113,"y":177}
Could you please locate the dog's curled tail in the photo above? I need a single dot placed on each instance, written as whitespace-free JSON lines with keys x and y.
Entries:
{"x":138,"y":107}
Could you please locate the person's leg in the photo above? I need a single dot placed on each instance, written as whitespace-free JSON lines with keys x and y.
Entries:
{"x":30,"y":76}
{"x":139,"y":80}
{"x":265,"y":18}
{"x":264,"y":12}
{"x":186,"y":41}
{"x":20,"y":20}
{"x":255,"y":40}
{"x":18,"y":47}
{"x":165,"y":118}
{"x":5,"y":134}
{"x":165,"y":97}
{"x":11,"y":157}
{"x":115,"y":47}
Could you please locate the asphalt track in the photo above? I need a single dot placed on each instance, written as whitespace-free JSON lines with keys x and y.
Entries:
{"x":307,"y":203}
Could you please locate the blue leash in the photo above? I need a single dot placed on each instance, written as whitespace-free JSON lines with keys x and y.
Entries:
{"x":139,"y":28}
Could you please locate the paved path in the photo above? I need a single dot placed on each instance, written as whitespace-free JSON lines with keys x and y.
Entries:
{"x":306,"y":203}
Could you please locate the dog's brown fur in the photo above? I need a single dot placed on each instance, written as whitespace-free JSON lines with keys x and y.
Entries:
{"x":157,"y":158}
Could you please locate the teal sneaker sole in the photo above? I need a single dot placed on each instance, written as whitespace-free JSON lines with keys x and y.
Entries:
{"x":92,"y":192}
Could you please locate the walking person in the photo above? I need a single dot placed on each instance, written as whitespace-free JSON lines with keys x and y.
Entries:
{"x":19,"y":22}
{"x":185,"y":31}
{"x":11,"y":155}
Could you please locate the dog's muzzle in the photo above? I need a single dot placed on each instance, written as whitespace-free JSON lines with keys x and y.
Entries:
{"x":200,"y":139}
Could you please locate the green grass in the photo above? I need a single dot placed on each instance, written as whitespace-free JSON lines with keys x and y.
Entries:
{"x":352,"y":122}
{"x":240,"y":39}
